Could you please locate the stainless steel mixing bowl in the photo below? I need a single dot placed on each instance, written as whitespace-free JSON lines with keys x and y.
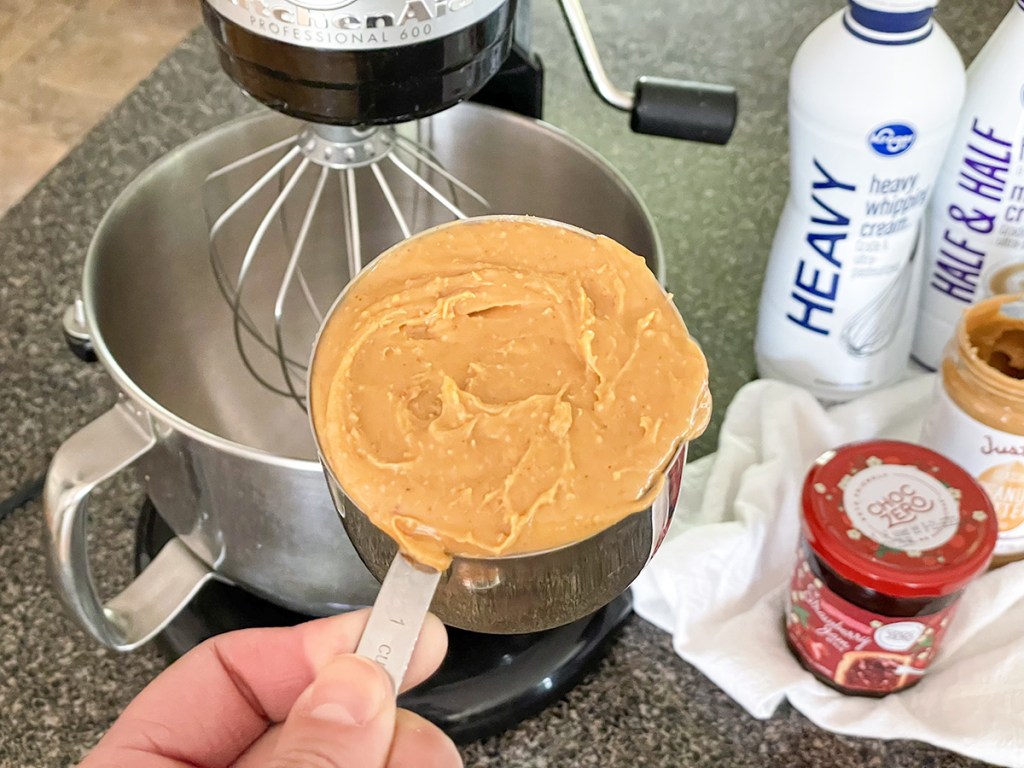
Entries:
{"x":229,"y":465}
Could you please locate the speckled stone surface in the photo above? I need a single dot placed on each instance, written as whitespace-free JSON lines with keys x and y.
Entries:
{"x":716,"y":208}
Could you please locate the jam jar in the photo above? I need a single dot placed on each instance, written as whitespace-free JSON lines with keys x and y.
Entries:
{"x":892,"y":533}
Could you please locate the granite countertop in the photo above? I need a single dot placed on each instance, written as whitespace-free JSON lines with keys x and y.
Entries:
{"x":716,"y":209}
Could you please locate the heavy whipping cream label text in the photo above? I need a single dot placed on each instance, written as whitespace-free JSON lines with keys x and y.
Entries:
{"x":849,"y":229}
{"x":837,"y":302}
{"x":853,"y":230}
{"x":355,"y":24}
{"x":819,"y":270}
{"x":994,"y":458}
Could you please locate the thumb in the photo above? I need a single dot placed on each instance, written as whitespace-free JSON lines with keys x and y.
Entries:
{"x":345,"y":719}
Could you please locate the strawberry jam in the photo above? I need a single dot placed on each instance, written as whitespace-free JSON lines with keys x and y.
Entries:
{"x":892,"y":534}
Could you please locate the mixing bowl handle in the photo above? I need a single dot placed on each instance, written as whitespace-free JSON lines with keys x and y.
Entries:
{"x":96,"y":453}
{"x":76,"y":332}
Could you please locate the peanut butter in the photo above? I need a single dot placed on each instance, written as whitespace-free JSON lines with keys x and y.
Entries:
{"x":504,"y":386}
{"x":978,"y":416}
{"x":983,"y":375}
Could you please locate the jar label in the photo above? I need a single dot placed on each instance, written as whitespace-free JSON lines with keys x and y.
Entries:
{"x":901,"y":507}
{"x":854,"y":648}
{"x":354,"y":25}
{"x":993,"y":457}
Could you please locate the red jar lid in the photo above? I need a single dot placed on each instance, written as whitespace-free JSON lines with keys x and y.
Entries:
{"x":898,"y":519}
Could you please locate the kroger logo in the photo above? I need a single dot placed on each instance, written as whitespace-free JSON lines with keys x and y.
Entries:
{"x":892,"y":139}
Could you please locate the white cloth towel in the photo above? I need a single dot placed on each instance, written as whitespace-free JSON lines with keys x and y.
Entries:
{"x":719,"y":581}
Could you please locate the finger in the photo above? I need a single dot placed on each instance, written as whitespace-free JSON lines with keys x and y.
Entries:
{"x":213,"y":703}
{"x":431,"y":648}
{"x":419,"y":743}
{"x":259,"y":752}
{"x":345,"y":719}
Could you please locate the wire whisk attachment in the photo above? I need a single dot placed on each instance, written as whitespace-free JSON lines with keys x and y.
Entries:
{"x":292,"y":223}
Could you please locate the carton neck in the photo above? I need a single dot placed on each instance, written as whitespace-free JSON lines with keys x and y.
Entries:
{"x":897,"y":25}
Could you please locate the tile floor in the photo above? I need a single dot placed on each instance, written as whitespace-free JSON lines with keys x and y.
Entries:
{"x":64,"y":64}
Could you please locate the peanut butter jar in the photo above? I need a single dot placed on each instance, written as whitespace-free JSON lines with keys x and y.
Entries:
{"x":977,"y":413}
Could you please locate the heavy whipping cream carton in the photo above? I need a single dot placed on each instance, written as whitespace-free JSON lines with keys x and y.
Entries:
{"x":874,"y":96}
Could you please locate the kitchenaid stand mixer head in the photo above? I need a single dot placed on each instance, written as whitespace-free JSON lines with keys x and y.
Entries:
{"x":360,"y":175}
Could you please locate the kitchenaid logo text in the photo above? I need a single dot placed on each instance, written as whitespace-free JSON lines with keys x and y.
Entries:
{"x":342,"y":18}
{"x":324,"y":5}
{"x":355,"y":24}
{"x":816,"y":285}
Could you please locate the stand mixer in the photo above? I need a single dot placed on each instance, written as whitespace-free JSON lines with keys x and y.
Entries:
{"x":364,"y":144}
{"x":360,"y":174}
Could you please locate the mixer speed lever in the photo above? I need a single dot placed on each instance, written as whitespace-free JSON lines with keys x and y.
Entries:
{"x":658,"y":106}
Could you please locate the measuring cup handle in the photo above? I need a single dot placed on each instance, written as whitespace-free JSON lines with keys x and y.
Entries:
{"x":397,"y":616}
{"x":95,"y":453}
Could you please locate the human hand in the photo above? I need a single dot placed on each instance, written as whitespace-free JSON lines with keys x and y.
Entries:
{"x":281,"y":698}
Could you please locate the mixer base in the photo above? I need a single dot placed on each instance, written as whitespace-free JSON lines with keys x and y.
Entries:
{"x":486,"y":685}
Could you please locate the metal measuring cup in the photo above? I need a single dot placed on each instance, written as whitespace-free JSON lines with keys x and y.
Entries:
{"x":512,"y":594}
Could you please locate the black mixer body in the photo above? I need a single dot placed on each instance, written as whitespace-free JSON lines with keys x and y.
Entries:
{"x":361,"y":62}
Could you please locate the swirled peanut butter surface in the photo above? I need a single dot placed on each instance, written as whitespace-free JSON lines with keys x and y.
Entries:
{"x":997,"y":335}
{"x":504,"y":386}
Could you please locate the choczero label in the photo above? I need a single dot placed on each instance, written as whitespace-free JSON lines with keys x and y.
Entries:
{"x":994,"y":458}
{"x":903,"y":515}
{"x":857,"y":649}
{"x":901,"y":507}
{"x":353,"y":25}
